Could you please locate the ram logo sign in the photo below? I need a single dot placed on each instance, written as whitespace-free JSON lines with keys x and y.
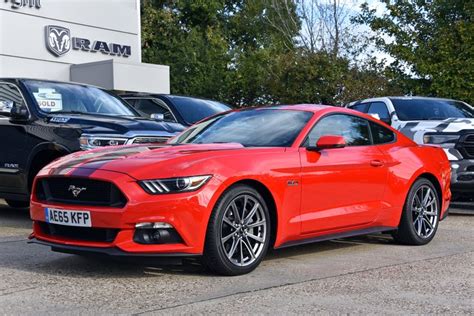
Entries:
{"x":59,"y":41}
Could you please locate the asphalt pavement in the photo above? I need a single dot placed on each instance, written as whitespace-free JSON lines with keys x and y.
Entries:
{"x":368,"y":274}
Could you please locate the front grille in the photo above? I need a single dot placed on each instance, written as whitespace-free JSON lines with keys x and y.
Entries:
{"x":79,"y":233}
{"x":92,"y":192}
{"x":150,"y":140}
{"x":466,"y":146}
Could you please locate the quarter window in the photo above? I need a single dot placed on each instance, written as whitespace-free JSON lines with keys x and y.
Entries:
{"x":380,"y":134}
{"x":355,"y":130}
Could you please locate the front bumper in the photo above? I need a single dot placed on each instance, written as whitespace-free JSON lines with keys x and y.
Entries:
{"x":110,"y":252}
{"x":188,"y":213}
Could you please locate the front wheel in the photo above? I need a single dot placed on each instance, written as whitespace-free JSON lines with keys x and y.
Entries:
{"x":420,"y":216}
{"x":238,"y":233}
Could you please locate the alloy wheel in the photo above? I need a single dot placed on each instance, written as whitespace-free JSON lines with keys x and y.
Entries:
{"x":424,"y":211}
{"x":243,"y":230}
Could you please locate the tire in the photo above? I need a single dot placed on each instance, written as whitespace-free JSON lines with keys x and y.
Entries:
{"x":236,"y":246}
{"x":17,"y":204}
{"x":420,"y":217}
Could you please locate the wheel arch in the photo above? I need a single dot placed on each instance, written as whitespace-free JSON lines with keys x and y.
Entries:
{"x":267,"y":196}
{"x":434,"y":180}
{"x":42,"y":155}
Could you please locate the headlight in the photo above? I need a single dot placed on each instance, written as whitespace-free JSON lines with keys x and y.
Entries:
{"x":91,"y":141}
{"x":173,"y":185}
{"x":445,"y":140}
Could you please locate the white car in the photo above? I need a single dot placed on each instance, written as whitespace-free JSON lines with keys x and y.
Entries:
{"x":444,"y":122}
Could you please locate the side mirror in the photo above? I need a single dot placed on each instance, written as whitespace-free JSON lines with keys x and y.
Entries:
{"x":19,"y":112}
{"x":328,"y":142}
{"x":157,"y":117}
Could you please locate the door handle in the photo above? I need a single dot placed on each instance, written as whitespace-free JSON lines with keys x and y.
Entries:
{"x":376,"y":163}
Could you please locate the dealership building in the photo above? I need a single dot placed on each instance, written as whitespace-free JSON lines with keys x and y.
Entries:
{"x":90,"y":41}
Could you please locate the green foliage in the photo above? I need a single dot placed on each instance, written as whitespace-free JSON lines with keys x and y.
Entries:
{"x":215,"y":49}
{"x":250,"y":52}
{"x":432,"y":43}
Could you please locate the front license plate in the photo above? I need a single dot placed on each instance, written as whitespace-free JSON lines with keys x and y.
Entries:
{"x":68,"y":217}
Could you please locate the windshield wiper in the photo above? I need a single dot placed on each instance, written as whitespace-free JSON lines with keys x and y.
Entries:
{"x":127,"y":117}
{"x":203,"y":143}
{"x":67,"y":112}
{"x":435,"y":118}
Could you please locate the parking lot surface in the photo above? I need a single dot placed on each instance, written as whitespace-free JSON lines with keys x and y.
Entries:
{"x":368,"y":274}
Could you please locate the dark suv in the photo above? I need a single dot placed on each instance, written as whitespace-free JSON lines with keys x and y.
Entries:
{"x":43,"y":120}
{"x":175,"y":108}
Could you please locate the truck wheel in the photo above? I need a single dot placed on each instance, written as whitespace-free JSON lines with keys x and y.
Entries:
{"x":17,"y":204}
{"x":420,"y":215}
{"x":238,"y":233}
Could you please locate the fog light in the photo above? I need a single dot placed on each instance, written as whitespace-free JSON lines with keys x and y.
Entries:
{"x":455,"y":166}
{"x":153,"y":225}
{"x":156,"y":233}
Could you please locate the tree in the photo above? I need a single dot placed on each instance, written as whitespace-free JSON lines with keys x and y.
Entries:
{"x":188,"y":36}
{"x":215,"y":49}
{"x":432,"y":43}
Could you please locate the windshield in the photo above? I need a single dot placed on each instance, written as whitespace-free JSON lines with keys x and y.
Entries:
{"x":193,"y":110}
{"x":251,"y":128}
{"x":52,"y":97}
{"x":431,"y":109}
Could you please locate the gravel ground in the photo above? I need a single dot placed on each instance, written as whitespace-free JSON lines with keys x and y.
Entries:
{"x":361,"y":275}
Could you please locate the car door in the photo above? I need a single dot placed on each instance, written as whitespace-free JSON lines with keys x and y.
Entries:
{"x":341,"y":187}
{"x":13,"y":140}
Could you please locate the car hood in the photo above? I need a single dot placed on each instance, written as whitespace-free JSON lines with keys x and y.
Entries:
{"x":142,"y":161}
{"x":415,"y":130}
{"x":102,"y":124}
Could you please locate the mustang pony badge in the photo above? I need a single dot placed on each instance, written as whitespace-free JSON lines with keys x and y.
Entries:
{"x":58,"y":40}
{"x":76,"y":190}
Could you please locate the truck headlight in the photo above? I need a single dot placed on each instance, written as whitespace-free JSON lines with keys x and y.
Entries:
{"x":174,"y":185}
{"x":91,"y":141}
{"x":444,"y":140}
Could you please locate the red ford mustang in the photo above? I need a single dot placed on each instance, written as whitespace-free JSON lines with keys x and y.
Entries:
{"x":230,"y":187}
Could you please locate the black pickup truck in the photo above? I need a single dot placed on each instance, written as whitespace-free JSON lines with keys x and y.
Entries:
{"x":44,"y":120}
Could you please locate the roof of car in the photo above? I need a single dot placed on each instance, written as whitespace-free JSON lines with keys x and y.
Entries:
{"x":148,"y":95}
{"x":302,"y":107}
{"x":50,"y":81}
{"x":399,"y":97}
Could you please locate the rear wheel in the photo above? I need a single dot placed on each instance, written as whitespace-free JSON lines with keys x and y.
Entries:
{"x":17,"y":204}
{"x":238,"y":233}
{"x":420,"y":217}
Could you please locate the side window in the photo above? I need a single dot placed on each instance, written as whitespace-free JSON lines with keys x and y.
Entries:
{"x":380,"y":109}
{"x":9,"y":94}
{"x":132,"y":102}
{"x":361,"y":107}
{"x":355,"y":130}
{"x":380,"y":134}
{"x":149,"y":107}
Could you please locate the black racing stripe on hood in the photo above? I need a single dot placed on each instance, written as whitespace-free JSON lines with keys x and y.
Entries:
{"x":83,"y":172}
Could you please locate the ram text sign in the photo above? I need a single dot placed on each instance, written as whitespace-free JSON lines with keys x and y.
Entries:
{"x":17,"y":4}
{"x":59,"y":41}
